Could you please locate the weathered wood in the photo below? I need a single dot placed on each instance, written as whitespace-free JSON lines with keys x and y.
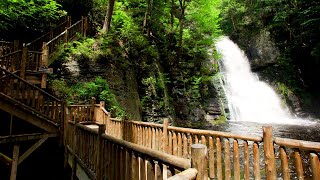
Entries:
{"x":5,"y":159}
{"x":101,"y":130}
{"x":227,"y":162}
{"x":256,"y":161}
{"x":15,"y":159}
{"x":219,"y":164}
{"x":32,"y":149}
{"x":190,"y":173}
{"x":315,"y":166}
{"x":23,"y":62}
{"x":165,"y":135}
{"x":185,"y":146}
{"x":199,"y":160}
{"x":292,"y":143}
{"x":211,"y":158}
{"x":269,"y":153}
{"x":157,"y":155}
{"x":246,"y":161}
{"x":179,"y":145}
{"x":24,"y":137}
{"x":298,"y":164}
{"x":284,"y":164}
{"x":236,"y":160}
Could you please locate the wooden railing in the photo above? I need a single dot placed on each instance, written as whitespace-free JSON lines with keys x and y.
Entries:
{"x":69,"y":34}
{"x":11,"y":61}
{"x":30,"y":96}
{"x":105,"y":157}
{"x":36,"y":45}
{"x":6,"y":47}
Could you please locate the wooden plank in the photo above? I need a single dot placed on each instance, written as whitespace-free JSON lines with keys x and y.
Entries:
{"x":179,"y":145}
{"x":24,"y":137}
{"x":14,"y":165}
{"x":5,"y":159}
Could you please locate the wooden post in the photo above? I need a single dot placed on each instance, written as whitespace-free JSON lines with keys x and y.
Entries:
{"x":69,"y":21}
{"x":108,"y":123}
{"x":62,"y":124}
{"x":315,"y":166}
{"x":102,"y":129}
{"x":85,"y":28}
{"x":65,"y":138}
{"x":15,"y":59}
{"x":93,"y":100}
{"x":14,"y":165}
{"x":65,"y":38}
{"x":23,"y":62}
{"x":44,"y":64}
{"x":199,"y":160}
{"x":102,"y":118}
{"x":165,"y":135}
{"x":74,"y":149}
{"x":269,"y":157}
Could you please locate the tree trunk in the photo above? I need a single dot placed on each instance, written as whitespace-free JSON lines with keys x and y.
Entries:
{"x":108,"y":18}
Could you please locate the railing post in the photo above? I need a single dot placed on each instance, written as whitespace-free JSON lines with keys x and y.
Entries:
{"x":85,"y":28}
{"x":74,"y":150}
{"x":199,"y":160}
{"x":93,"y":100}
{"x":23,"y":62}
{"x":165,"y":141}
{"x":109,"y":124}
{"x":15,"y":59}
{"x":102,"y":118}
{"x":62,"y":123}
{"x":65,"y":38}
{"x":44,"y":63}
{"x":269,"y":157}
{"x":68,"y":21}
{"x":102,"y":129}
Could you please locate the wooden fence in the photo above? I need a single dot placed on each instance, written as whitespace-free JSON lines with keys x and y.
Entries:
{"x":105,"y":157}
{"x":30,"y":96}
{"x":230,"y":156}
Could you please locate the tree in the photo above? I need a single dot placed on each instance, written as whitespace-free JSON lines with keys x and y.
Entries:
{"x":108,"y":18}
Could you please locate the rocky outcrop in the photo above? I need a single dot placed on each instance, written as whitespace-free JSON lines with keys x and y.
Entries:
{"x":261,"y":50}
{"x":121,"y":80}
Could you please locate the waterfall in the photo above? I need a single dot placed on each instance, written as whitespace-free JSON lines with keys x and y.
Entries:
{"x":248,"y":98}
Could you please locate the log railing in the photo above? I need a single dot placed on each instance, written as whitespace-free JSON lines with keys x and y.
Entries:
{"x":11,"y":61}
{"x":14,"y":87}
{"x":230,"y":156}
{"x":105,"y":157}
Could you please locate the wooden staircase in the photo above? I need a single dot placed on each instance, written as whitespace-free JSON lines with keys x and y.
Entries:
{"x":29,"y":102}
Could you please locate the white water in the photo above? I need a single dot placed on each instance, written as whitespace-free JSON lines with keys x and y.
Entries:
{"x":249,"y":99}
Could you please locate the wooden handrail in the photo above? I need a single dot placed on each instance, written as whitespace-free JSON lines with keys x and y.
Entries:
{"x":187,"y":174}
{"x":55,"y":38}
{"x":74,"y":24}
{"x":7,"y":55}
{"x":293,"y":143}
{"x":26,"y":82}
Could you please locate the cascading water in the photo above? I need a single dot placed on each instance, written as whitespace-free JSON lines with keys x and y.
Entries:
{"x":249,"y":99}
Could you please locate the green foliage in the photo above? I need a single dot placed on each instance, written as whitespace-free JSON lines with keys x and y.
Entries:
{"x":24,"y":15}
{"x":82,"y":92}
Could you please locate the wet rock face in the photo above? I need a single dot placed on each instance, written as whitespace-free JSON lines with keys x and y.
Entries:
{"x":121,"y":80}
{"x":261,"y":50}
